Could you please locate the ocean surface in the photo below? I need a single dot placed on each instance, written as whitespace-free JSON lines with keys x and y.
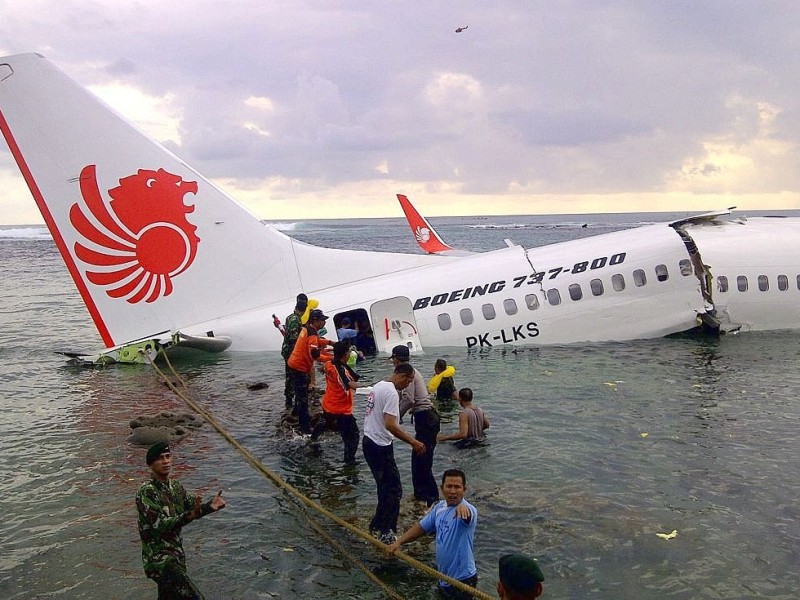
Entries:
{"x":594,"y":450}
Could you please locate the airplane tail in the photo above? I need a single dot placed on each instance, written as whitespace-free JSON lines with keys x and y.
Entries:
{"x":144,"y":236}
{"x":424,"y":233}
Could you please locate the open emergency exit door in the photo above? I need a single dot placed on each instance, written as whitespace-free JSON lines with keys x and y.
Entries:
{"x":393,"y":324}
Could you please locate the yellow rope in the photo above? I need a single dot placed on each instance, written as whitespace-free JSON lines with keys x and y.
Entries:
{"x":298,"y":495}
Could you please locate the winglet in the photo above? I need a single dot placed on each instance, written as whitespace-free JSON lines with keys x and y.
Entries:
{"x":424,"y":233}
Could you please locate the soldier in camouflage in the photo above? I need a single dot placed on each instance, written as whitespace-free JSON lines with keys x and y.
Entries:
{"x":164,"y":508}
{"x":293,"y":325}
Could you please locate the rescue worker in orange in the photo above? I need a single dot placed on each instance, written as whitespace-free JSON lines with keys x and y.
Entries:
{"x":308,"y":349}
{"x":337,"y":403}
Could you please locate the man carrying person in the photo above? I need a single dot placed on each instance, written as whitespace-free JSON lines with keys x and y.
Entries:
{"x":164,"y":508}
{"x":307,"y":350}
{"x":414,"y":398}
{"x":291,"y":331}
{"x":454,"y":521}
{"x":381,"y":426}
{"x":520,"y":578}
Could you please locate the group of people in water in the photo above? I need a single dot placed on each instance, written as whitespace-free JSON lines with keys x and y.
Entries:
{"x":164,"y":507}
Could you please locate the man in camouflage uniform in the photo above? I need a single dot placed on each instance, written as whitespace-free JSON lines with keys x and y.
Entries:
{"x":164,"y":508}
{"x":293,"y":326}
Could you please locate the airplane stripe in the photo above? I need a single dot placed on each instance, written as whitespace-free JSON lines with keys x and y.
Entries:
{"x":51,"y":225}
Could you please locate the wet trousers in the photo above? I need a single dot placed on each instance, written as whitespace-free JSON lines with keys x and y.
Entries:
{"x":387,"y":479}
{"x":348,"y":429}
{"x":174,"y":584}
{"x":300,"y":381}
{"x":426,"y":427}
{"x":288,"y":386}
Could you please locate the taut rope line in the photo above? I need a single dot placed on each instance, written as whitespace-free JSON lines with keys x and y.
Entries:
{"x":297,"y":494}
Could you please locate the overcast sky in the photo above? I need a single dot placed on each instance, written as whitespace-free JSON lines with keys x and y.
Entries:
{"x":309,"y":109}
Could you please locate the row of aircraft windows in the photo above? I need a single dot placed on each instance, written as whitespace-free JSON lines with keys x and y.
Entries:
{"x":553,"y":295}
{"x":597,"y":288}
{"x":743,"y":285}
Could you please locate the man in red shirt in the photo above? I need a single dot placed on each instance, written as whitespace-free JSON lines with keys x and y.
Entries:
{"x":337,"y":403}
{"x":307,"y":350}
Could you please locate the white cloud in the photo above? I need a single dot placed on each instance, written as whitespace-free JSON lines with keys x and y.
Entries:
{"x":157,"y":116}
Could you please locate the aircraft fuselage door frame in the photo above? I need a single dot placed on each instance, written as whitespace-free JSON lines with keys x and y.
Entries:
{"x":393,"y":323}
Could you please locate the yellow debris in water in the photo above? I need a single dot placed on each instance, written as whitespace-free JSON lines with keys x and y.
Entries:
{"x":644,"y":434}
{"x":668,"y":536}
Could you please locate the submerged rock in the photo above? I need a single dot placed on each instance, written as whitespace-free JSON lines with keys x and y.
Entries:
{"x":163,"y":427}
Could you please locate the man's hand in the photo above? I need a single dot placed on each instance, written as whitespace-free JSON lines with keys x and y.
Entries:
{"x":418,"y":447}
{"x":463,"y":512}
{"x":393,"y":547}
{"x":218,"y":502}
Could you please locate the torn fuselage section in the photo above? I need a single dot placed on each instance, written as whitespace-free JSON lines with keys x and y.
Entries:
{"x":712,"y":321}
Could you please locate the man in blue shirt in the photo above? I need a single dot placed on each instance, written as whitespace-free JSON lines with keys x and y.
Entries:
{"x":345,"y":330}
{"x":453,"y":520}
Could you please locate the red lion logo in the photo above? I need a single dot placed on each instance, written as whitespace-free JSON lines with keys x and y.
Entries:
{"x":143,"y":241}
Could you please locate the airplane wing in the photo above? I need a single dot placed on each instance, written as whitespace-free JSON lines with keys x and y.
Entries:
{"x":424,"y":233}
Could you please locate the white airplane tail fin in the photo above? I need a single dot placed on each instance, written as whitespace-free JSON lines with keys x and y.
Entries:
{"x":149,"y":242}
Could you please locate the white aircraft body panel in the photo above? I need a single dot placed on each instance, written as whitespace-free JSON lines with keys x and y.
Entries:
{"x":761,"y":256}
{"x":155,"y":249}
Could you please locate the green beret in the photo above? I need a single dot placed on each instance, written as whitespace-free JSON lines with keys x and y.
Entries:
{"x":520,"y":573}
{"x":155,"y":451}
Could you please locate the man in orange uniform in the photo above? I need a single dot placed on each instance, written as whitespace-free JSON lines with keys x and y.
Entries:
{"x":308,"y":349}
{"x":337,"y":403}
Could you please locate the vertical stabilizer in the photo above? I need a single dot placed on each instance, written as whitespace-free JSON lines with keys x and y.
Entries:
{"x":150,"y":243}
{"x":424,"y":233}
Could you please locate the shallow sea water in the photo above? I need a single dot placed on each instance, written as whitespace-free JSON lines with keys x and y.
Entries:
{"x":593,"y":451}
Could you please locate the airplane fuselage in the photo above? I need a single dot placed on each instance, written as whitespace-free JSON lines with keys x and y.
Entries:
{"x":632,"y":284}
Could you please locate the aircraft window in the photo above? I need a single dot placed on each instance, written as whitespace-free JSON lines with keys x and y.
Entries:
{"x":798,"y":282}
{"x":639,"y":278}
{"x":763,"y":283}
{"x":661,"y":272}
{"x":532,"y":300}
{"x":575,"y":291}
{"x":618,"y":281}
{"x":488,"y":311}
{"x":597,"y":287}
{"x":722,"y":283}
{"x":741,"y":283}
{"x":444,"y":321}
{"x":783,"y":283}
{"x":554,"y":296}
{"x":686,"y":267}
{"x":466,"y":316}
{"x":510,"y":306}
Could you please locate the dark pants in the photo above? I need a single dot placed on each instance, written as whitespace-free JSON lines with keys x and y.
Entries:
{"x":348,"y":429}
{"x":174,"y":584}
{"x":426,"y":426}
{"x":288,"y":385}
{"x":452,"y":593}
{"x":387,"y":478}
{"x":300,"y":381}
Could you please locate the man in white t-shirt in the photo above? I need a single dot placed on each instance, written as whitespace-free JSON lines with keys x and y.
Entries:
{"x":381,"y":426}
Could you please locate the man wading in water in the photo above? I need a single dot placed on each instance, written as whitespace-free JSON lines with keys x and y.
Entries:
{"x":164,"y":508}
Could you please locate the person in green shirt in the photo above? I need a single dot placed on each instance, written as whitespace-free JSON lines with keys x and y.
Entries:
{"x":164,"y":508}
{"x":292,"y":331}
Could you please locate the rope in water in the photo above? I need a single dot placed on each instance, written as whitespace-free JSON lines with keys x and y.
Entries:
{"x":302,"y":498}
